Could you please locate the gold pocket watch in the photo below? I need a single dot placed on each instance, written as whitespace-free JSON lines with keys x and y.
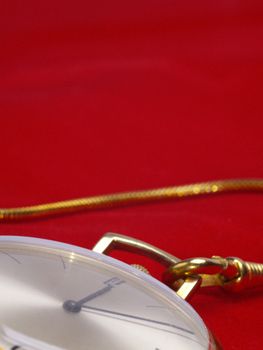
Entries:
{"x":56,"y":296}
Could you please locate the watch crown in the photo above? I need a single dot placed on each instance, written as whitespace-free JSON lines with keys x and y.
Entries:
{"x":141,"y":268}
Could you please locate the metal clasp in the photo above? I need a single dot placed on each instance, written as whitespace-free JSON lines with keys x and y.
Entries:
{"x":186,"y":276}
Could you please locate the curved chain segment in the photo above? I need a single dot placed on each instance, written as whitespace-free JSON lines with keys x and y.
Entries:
{"x":132,"y":197}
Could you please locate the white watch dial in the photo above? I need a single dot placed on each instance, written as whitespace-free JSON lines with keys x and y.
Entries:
{"x":54,"y":296}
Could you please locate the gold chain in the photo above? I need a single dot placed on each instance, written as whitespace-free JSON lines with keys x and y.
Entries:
{"x":247,"y":273}
{"x":132,"y":197}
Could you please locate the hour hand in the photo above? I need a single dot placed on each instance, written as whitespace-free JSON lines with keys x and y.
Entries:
{"x":75,"y":306}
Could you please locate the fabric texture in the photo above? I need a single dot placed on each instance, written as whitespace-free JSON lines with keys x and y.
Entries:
{"x":101,"y":97}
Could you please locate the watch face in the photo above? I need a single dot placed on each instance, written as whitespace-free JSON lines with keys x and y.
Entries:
{"x":54,"y":296}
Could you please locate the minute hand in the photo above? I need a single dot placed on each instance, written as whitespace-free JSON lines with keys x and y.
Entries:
{"x":75,"y":306}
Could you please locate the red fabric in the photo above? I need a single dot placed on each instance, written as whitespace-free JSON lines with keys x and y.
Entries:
{"x":99,"y":97}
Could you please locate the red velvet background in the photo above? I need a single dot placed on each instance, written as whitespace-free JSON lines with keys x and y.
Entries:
{"x":99,"y":97}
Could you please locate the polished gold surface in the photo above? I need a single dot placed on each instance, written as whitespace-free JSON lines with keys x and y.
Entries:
{"x":114,"y":241}
{"x":230,"y":273}
{"x":186,"y":276}
{"x":248,"y":274}
{"x":133,"y":197}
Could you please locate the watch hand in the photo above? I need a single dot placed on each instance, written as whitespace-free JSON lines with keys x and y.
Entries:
{"x":75,"y":306}
{"x":151,"y":323}
{"x":134,"y":317}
